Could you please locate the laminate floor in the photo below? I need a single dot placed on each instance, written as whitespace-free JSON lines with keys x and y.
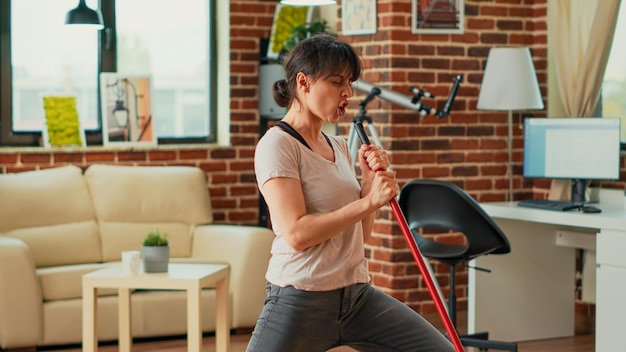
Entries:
{"x":582,"y":342}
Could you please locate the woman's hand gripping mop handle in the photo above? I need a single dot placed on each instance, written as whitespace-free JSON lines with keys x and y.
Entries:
{"x":417,"y":255}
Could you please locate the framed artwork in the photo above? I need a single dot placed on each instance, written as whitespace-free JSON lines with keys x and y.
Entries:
{"x":63,"y":128}
{"x":286,"y":18}
{"x":437,"y":16}
{"x":358,"y":17}
{"x":126,"y":110}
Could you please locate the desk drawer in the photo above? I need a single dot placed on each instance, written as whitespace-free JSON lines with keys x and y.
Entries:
{"x":611,"y":248}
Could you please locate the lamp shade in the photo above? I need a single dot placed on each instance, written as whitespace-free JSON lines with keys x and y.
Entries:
{"x":509,"y":81}
{"x":120,"y":113}
{"x":308,"y":2}
{"x":85,"y":16}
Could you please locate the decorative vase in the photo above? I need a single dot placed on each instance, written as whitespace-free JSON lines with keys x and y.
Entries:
{"x":155,"y":258}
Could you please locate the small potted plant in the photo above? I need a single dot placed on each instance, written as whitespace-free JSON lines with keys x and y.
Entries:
{"x":155,"y":252}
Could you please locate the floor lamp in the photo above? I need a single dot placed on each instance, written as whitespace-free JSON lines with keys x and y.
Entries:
{"x":509,"y":84}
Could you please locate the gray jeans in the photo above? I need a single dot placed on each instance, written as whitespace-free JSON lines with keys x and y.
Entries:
{"x":358,"y":316}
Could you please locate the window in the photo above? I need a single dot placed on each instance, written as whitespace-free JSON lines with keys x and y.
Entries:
{"x":175,"y":45}
{"x":614,"y":83}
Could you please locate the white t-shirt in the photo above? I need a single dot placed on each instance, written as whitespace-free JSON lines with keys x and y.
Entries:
{"x":337,"y":262}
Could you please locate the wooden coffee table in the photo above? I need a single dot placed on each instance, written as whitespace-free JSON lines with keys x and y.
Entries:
{"x":188,"y":277}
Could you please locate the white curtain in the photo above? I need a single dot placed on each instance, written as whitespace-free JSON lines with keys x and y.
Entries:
{"x":580,"y":35}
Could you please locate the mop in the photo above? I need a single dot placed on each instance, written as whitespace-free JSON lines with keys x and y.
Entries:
{"x":417,"y":256}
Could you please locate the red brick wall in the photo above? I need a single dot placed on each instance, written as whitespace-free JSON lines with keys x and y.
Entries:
{"x":467,"y":148}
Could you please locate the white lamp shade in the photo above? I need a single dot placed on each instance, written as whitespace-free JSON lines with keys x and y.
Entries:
{"x":121,"y":118}
{"x":308,"y":2}
{"x":509,"y":82}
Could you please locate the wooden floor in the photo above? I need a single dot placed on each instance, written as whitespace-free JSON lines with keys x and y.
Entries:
{"x":582,"y":342}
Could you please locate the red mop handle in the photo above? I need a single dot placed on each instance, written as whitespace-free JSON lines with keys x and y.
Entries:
{"x":417,"y":256}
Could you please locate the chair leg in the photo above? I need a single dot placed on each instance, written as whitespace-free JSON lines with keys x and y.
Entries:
{"x":452,"y":295}
{"x":489,"y":344}
{"x":479,"y":340}
{"x":479,"y":335}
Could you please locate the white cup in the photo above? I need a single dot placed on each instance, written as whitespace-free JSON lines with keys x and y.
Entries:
{"x":131,"y":260}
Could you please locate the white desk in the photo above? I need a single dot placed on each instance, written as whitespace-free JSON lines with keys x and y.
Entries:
{"x":529,"y":294}
{"x":189,"y":277}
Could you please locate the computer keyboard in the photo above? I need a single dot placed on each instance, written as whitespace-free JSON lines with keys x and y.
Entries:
{"x":557,"y":205}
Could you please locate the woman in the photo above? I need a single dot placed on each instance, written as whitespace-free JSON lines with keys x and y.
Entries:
{"x":318,"y":295}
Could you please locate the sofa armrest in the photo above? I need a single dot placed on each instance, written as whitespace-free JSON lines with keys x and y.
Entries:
{"x":247,"y":250}
{"x":21,"y":302}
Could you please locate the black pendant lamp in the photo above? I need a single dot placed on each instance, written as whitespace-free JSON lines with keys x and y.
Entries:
{"x":83,"y":15}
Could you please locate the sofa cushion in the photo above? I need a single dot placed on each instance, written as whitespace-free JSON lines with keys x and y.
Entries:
{"x":64,"y":244}
{"x":44,"y":197}
{"x":65,"y":282}
{"x":149,"y":194}
{"x":130,"y":201}
{"x":50,"y":209}
{"x":125,"y":236}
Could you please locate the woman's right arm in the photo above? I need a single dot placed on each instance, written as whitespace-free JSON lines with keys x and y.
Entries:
{"x":285,"y":201}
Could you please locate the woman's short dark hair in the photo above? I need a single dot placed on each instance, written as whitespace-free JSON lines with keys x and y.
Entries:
{"x":319,"y":56}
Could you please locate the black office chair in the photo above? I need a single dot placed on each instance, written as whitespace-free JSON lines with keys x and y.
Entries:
{"x":434,"y":204}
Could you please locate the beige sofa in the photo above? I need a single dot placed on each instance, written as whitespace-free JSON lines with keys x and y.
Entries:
{"x":58,"y":224}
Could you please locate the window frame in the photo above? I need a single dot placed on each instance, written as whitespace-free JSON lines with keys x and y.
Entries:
{"x":107,"y":54}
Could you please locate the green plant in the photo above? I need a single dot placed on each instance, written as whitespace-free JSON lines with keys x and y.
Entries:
{"x":287,"y":18}
{"x":306,"y":30}
{"x":155,"y":239}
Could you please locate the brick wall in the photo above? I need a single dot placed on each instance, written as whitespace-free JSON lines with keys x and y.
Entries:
{"x":467,"y":148}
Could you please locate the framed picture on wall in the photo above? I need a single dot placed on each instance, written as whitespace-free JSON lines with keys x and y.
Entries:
{"x":126,"y":110}
{"x":358,"y":17}
{"x":437,"y":16}
{"x":63,"y":127}
{"x":286,"y":18}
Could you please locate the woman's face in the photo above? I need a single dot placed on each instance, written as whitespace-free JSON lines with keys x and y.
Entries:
{"x":327,"y":98}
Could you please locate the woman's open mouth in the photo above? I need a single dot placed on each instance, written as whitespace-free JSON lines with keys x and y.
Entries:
{"x":341,"y":110}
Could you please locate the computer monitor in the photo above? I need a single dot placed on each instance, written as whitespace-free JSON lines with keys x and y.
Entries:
{"x":579,"y":149}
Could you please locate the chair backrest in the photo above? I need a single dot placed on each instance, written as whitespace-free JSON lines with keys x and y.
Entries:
{"x":436,"y":204}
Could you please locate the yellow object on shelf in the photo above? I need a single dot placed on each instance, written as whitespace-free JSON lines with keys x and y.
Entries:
{"x":63,"y":127}
{"x":285,"y":19}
